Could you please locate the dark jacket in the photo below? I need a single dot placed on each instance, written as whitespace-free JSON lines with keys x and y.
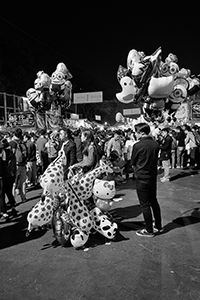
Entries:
{"x":70,"y":152}
{"x":166,"y":148}
{"x":145,"y":158}
{"x":9,"y":165}
{"x":90,"y":159}
{"x":181,"y":139}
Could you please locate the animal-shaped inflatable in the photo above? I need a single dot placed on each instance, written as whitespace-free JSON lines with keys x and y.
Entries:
{"x":61,"y":87}
{"x":154,"y":85}
{"x":103,"y":224}
{"x":41,"y":214}
{"x":42,"y":81}
{"x":53,"y":178}
{"x":103,"y":192}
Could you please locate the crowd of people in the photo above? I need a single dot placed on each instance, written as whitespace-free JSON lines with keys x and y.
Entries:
{"x":24,"y":156}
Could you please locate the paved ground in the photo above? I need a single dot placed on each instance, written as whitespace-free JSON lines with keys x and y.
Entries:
{"x":164,"y":267}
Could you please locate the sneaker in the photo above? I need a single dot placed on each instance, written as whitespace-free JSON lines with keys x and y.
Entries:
{"x":14,"y":212}
{"x":163,"y":179}
{"x":145,"y":233}
{"x":156,"y":230}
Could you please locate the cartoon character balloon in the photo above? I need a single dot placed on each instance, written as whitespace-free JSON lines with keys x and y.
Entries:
{"x":61,"y":87}
{"x":154,"y":85}
{"x":50,"y":92}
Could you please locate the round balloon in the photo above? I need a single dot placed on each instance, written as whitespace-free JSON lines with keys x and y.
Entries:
{"x":78,"y":237}
{"x":118,"y":117}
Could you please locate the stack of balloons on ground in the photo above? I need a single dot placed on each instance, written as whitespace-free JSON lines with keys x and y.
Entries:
{"x":75,"y":207}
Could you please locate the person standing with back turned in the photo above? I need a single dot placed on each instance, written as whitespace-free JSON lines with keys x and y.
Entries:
{"x":144,"y":161}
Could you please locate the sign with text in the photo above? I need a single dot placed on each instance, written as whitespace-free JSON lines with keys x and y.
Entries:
{"x":97,"y":118}
{"x":131,"y":111}
{"x":21,"y":119}
{"x":93,"y":97}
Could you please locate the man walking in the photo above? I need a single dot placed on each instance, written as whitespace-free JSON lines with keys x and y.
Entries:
{"x":144,"y":160}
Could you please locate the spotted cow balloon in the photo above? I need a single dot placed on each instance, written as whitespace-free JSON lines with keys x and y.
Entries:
{"x":41,"y":214}
{"x":53,"y":178}
{"x":102,"y":224}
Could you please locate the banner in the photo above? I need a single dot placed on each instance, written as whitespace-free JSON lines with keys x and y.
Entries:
{"x":196,"y":110}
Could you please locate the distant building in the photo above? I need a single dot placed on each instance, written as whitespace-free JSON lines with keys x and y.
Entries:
{"x":8,"y":104}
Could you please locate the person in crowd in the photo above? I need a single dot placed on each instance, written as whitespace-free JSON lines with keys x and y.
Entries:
{"x":180,"y":137}
{"x":52,"y":147}
{"x":69,"y":147}
{"x":40,"y":145}
{"x":174,"y":145}
{"x":190,"y":146}
{"x":4,"y":217}
{"x":144,"y":161}
{"x":128,"y":148}
{"x":165,"y":154}
{"x":115,"y":144}
{"x":20,"y":150}
{"x":31,"y":160}
{"x":77,"y":140}
{"x":9,"y":174}
{"x":90,"y":156}
{"x":196,"y":132}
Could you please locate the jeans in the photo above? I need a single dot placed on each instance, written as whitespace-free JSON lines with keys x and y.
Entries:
{"x":7,"y":190}
{"x":180,"y":156}
{"x":20,"y":181}
{"x":31,"y":172}
{"x":147,"y":195}
{"x":173,"y":158}
{"x":165,"y":165}
{"x":2,"y":199}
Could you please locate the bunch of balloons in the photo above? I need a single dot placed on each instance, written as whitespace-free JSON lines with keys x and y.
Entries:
{"x":49,"y":91}
{"x":154,"y":85}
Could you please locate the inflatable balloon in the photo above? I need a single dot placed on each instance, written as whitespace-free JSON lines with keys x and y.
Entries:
{"x":41,"y":214}
{"x":102,"y":224}
{"x":78,"y":237}
{"x":53,"y":178}
{"x":61,"y":226}
{"x":51,"y":93}
{"x":42,"y":81}
{"x":104,"y":191}
{"x":129,"y":90}
{"x":160,"y":87}
{"x":119,"y":117}
{"x":154,"y":85}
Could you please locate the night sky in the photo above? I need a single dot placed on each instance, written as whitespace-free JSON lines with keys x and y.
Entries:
{"x":94,"y":39}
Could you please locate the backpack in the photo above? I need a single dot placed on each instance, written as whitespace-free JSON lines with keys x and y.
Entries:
{"x":21,"y":153}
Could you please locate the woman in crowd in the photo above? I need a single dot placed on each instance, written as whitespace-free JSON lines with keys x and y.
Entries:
{"x":90,"y":156}
{"x":9,"y":173}
{"x":52,"y":147}
{"x":180,"y":137}
{"x":190,"y":146}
